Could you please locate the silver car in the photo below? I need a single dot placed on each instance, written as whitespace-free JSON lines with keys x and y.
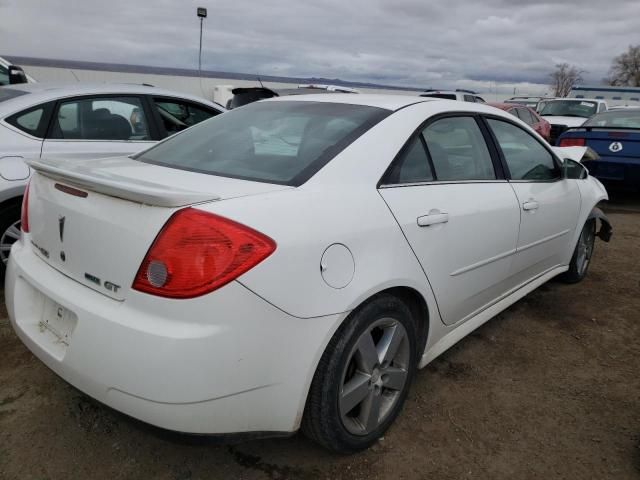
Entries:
{"x":80,"y":121}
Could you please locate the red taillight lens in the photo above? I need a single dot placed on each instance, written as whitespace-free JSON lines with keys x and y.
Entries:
{"x":24,"y":213}
{"x":197,"y":252}
{"x":571,"y":142}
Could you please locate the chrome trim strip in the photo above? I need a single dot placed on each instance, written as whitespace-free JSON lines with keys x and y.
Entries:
{"x":482,"y":263}
{"x":543,"y":240}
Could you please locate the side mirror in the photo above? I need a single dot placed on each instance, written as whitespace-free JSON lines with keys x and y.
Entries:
{"x":16,"y":75}
{"x":572,"y":170}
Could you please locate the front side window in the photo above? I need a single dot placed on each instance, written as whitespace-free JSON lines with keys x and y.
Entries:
{"x":284,"y":142}
{"x":526,"y":158}
{"x":108,"y":118}
{"x":177,"y":115}
{"x":458,"y":150}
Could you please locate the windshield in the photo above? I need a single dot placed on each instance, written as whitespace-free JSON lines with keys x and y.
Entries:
{"x":9,"y":93}
{"x":569,"y":108}
{"x":275,"y":142}
{"x":620,"y":119}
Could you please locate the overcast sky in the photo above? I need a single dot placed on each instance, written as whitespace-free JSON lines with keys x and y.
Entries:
{"x":426,"y":43}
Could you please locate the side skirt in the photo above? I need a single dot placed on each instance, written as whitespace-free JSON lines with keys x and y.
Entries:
{"x":460,"y":331}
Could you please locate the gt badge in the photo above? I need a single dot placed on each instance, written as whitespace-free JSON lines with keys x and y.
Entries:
{"x":61,"y":227}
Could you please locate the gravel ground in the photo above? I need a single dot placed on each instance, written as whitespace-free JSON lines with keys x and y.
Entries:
{"x":548,"y":389}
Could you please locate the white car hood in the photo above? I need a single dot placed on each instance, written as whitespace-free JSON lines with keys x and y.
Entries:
{"x":568,"y":121}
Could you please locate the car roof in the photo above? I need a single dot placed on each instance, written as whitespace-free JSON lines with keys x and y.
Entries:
{"x":574,"y":99}
{"x":506,"y":106}
{"x":386,"y":101}
{"x":44,"y":92}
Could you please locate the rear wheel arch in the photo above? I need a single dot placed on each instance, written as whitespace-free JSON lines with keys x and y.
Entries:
{"x":11,"y":202}
{"x":322,"y":417}
{"x":419,"y":312}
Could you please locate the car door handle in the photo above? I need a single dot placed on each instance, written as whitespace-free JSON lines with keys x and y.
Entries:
{"x":530,"y":205}
{"x":432,"y":218}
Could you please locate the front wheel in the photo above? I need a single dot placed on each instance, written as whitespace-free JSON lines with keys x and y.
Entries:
{"x":582,"y":254}
{"x":363,"y":377}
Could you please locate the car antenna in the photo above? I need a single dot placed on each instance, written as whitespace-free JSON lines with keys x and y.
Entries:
{"x":260,"y":81}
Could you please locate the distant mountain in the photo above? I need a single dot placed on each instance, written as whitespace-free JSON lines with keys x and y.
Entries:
{"x":184,"y":72}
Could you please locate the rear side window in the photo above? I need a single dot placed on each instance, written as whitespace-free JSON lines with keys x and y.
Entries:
{"x":469,"y":98}
{"x":526,"y":116}
{"x":412,"y":166}
{"x":32,"y":121}
{"x":526,"y":158}
{"x":276,"y":142}
{"x":101,"y":118}
{"x":177,"y":115}
{"x":458,"y":150}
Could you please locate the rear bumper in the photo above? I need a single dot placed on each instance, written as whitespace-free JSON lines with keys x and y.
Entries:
{"x":224,"y":363}
{"x":615,"y":168}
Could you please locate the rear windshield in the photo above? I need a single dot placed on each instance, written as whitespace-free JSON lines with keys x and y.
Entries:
{"x":9,"y":93}
{"x":620,"y":119}
{"x":446,"y":96}
{"x":276,"y":142}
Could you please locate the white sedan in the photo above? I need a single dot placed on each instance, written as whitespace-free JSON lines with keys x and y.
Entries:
{"x":290,"y":264}
{"x":81,"y":121}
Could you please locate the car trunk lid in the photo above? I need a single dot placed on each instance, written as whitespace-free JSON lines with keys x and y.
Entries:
{"x":95,"y":221}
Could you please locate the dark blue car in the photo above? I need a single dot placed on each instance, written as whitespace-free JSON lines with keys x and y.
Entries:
{"x":615,"y":136}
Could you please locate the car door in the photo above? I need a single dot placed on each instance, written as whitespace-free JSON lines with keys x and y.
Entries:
{"x":99,"y":126}
{"x":175,"y":114}
{"x":549,"y":204}
{"x":458,"y":213}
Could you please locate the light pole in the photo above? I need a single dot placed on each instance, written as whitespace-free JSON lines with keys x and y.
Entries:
{"x":202,"y":14}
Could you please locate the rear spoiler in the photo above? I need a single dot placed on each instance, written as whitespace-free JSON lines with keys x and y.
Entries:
{"x":589,"y":128}
{"x":119,"y":186}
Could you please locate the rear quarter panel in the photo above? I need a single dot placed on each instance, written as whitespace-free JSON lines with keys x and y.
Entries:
{"x":304,"y":223}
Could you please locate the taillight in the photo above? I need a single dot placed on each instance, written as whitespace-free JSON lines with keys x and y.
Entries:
{"x":197,"y":252}
{"x":572,"y":142}
{"x":24,"y":213}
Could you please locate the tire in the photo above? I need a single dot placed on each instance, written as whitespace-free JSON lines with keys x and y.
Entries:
{"x":9,"y":231}
{"x":582,"y":254}
{"x":347,"y":420}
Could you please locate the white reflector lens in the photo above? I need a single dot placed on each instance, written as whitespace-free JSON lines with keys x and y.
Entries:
{"x":157,"y":273}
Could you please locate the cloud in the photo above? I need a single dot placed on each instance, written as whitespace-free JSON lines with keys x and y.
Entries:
{"x":425,"y":43}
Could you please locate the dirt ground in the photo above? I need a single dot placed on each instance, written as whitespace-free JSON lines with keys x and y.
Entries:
{"x":549,"y":389}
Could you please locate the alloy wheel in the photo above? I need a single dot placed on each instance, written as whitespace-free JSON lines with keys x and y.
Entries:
{"x":585,"y":249}
{"x":8,"y":238}
{"x":374,"y":376}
